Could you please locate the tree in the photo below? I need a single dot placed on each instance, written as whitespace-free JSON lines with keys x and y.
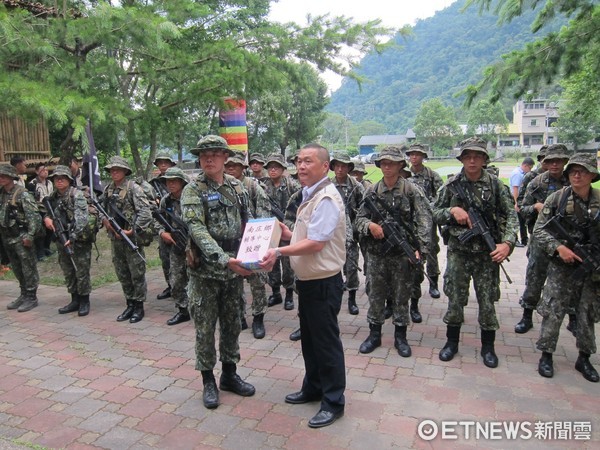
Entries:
{"x":559,"y":54}
{"x":436,"y":125}
{"x":487,"y":120}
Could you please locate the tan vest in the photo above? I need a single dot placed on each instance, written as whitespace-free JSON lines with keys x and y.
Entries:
{"x":330,"y":260}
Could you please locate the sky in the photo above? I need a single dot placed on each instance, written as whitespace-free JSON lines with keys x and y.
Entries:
{"x":393,"y":14}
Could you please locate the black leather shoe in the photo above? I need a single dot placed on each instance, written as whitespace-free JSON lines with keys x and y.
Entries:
{"x":324,"y":418}
{"x":179,"y":317}
{"x":584,"y":366}
{"x":84,"y":305}
{"x":289,"y":300}
{"x":126,"y":315}
{"x":138,"y":312}
{"x":295,"y":335}
{"x":415,"y":314}
{"x":232,"y":382}
{"x":300,"y":397}
{"x":71,"y":307}
{"x":210,"y":395}
{"x":402,"y":347}
{"x":274,"y":299}
{"x":164,"y":294}
{"x":448,"y":352}
{"x":524,"y":326}
{"x":545,"y":366}
{"x":258,"y":326}
{"x":489,"y":357}
{"x":434,"y":292}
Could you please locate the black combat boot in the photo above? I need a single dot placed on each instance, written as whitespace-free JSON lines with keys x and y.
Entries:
{"x":138,"y":312}
{"x":165,"y":294}
{"x":545,"y":366}
{"x":401,"y":343}
{"x":352,"y":308}
{"x":451,"y":347}
{"x":572,"y":325}
{"x":126,"y":315}
{"x":231,"y":381}
{"x":295,"y":335}
{"x":30,"y":301}
{"x":84,"y":305}
{"x":17,"y":302}
{"x":584,"y":366}
{"x":526,"y":322}
{"x":289,"y":299}
{"x":415,"y":314}
{"x":433,"y":288}
{"x":488,"y":337}
{"x":388,"y":310}
{"x":182,"y":315}
{"x":244,"y":323}
{"x":373,"y":340}
{"x":258,"y":327}
{"x":210,"y":395}
{"x":275,"y":298}
{"x":71,"y":307}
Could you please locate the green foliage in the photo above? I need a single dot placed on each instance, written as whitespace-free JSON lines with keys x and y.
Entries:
{"x":339,"y":133}
{"x":436,"y":125}
{"x":486,"y":120}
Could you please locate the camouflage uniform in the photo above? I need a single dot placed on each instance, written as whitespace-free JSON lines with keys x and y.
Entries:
{"x":20,"y":219}
{"x":257,"y":157}
{"x":129,"y":200}
{"x":564,"y":289}
{"x":362,"y":240}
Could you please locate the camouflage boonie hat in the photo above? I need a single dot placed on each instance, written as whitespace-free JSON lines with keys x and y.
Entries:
{"x":542,"y":153}
{"x":292,"y":157}
{"x":237,"y":158}
{"x":341,"y":157}
{"x":556,"y":151}
{"x":475,"y":144}
{"x":276,"y":158}
{"x":8,"y":170}
{"x":417,"y":148}
{"x":211,"y":142}
{"x":166,"y":157}
{"x":118,"y":161}
{"x":359,"y":167}
{"x":391,"y":153}
{"x":588,"y":161}
{"x":258,"y":157}
{"x":61,"y":171}
{"x":173,"y":173}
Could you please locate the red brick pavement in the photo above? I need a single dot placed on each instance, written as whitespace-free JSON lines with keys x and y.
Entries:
{"x":88,"y":383}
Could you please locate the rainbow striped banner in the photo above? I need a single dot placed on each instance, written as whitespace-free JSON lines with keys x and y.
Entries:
{"x":232,"y":125}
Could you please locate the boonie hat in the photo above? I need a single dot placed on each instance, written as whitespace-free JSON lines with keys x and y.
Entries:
{"x":586,"y":160}
{"x":118,"y":161}
{"x":166,"y":157}
{"x":341,"y":157}
{"x":61,"y":171}
{"x":8,"y":170}
{"x":211,"y":142}
{"x":417,"y":148}
{"x":475,"y":144}
{"x":237,"y":158}
{"x":173,"y":173}
{"x":391,"y":153}
{"x":258,"y":157}
{"x":556,"y":151}
{"x":276,"y":158}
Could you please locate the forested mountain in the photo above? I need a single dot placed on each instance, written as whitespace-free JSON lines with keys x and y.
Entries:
{"x":446,"y":53}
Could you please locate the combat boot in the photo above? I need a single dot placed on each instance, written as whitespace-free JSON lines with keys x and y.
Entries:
{"x":16,"y":302}
{"x":138,"y":312}
{"x":433,"y":288}
{"x":230,"y":381}
{"x":210,"y":394}
{"x":84,"y":305}
{"x":572,"y":325}
{"x":289,"y":299}
{"x":400,"y":342}
{"x":451,"y":347}
{"x":30,"y":301}
{"x":373,"y":340}
{"x":126,"y":315}
{"x":275,"y":298}
{"x":258,"y":327}
{"x":584,"y":366}
{"x":526,"y":322}
{"x":352,"y":308}
{"x":295,"y":335}
{"x":165,"y":294}
{"x":415,"y":314}
{"x":488,"y":337}
{"x":545,"y":365}
{"x":71,"y":307}
{"x":181,"y":316}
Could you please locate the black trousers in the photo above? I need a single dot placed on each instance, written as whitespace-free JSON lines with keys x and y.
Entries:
{"x":319,"y":302}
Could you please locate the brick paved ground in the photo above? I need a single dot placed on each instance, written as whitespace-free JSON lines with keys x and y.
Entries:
{"x":76,"y":383}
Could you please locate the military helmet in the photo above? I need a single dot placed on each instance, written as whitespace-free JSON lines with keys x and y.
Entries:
{"x":237,"y":158}
{"x":118,"y":161}
{"x":588,"y":161}
{"x":258,"y":157}
{"x":165,"y":156}
{"x":556,"y":151}
{"x":211,"y":142}
{"x":341,"y":157}
{"x":276,"y":158}
{"x":61,"y":171}
{"x":391,"y":153}
{"x":173,"y":173}
{"x":359,"y":167}
{"x":417,"y":148}
{"x":475,"y":144}
{"x":9,"y":171}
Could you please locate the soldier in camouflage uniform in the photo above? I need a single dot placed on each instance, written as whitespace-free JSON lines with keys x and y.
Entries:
{"x":257,"y":166}
{"x":575,"y":208}
{"x":279,"y":188}
{"x":215,"y":208}
{"x":71,"y":208}
{"x":536,"y":194}
{"x":260,"y":208}
{"x":20,"y":221}
{"x":473,"y":259}
{"x":352,"y":193}
{"x":170,"y":203}
{"x":359,"y":172}
{"x":528,"y":178}
{"x":391,"y":274}
{"x":430,"y":182}
{"x":126,"y":201}
{"x":163,"y":161}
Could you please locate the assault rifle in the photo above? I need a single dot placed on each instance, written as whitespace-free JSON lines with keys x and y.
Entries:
{"x":589,"y":253}
{"x":118,"y":230}
{"x":179,"y":234}
{"x":479,"y":226}
{"x":159,"y":188}
{"x":395,"y":236}
{"x":276,"y":210}
{"x":61,"y":233}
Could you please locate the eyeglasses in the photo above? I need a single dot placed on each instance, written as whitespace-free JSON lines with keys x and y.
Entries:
{"x":578,"y":172}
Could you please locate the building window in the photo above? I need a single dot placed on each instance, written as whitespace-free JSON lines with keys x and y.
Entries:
{"x":533,"y":122}
{"x":550,"y":140}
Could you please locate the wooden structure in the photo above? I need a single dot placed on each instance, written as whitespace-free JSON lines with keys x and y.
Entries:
{"x":18,"y":137}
